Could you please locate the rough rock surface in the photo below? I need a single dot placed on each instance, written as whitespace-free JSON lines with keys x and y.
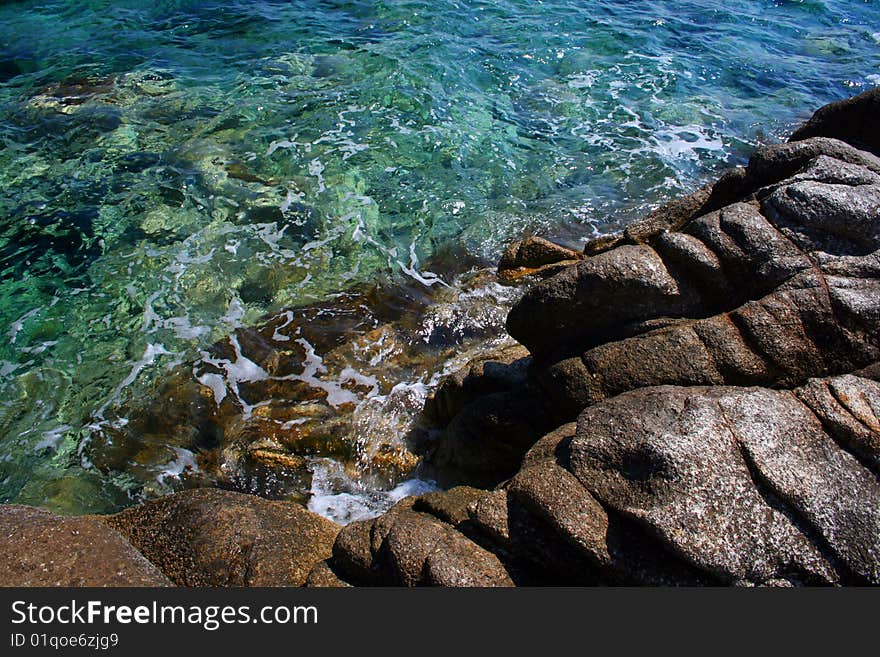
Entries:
{"x":210,"y":537}
{"x":534,"y":256}
{"x":38,"y":548}
{"x":706,"y":387}
{"x":744,"y":499}
{"x":853,"y":120}
{"x":417,"y":543}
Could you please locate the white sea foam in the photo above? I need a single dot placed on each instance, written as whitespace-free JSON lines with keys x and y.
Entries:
{"x":184,"y":461}
{"x":316,"y":169}
{"x":685,"y":142}
{"x":217,"y":385}
{"x":276,"y":334}
{"x":52,"y":437}
{"x":336,"y":496}
{"x":314,"y":365}
{"x":151,"y":352}
{"x":424,"y":277}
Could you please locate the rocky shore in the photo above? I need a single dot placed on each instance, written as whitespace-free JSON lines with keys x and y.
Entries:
{"x":695,"y":401}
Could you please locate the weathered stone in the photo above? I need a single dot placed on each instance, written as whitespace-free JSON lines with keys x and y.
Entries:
{"x":353,"y":553}
{"x":674,"y":355}
{"x":450,"y":506}
{"x":771,"y":164}
{"x":696,"y":261}
{"x":559,"y":533}
{"x":595,"y":300}
{"x":677,"y":461}
{"x":849,"y":408}
{"x":545,"y":449}
{"x":323,"y":577}
{"x":417,"y":549}
{"x":210,"y":537}
{"x":671,"y":216}
{"x":555,"y":496}
{"x":853,"y":120}
{"x":804,"y":315}
{"x":490,"y":514}
{"x":733,"y":357}
{"x":782,"y":339}
{"x":603,"y":243}
{"x":821,"y":484}
{"x":462,"y":563}
{"x":381,"y":526}
{"x":531,"y":256}
{"x":532,"y":550}
{"x":568,"y":387}
{"x":485,"y":442}
{"x":871,"y":372}
{"x":39,"y":548}
{"x":769,"y":277}
{"x":830,"y":216}
{"x":499,"y":371}
{"x":837,"y":171}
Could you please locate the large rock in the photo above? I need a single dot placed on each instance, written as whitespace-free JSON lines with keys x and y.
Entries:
{"x":715,"y":263}
{"x":773,"y":163}
{"x":742,"y":483}
{"x":597,"y":300}
{"x":769,"y":277}
{"x":558,"y":532}
{"x":853,"y":120}
{"x":770,"y":293}
{"x":417,"y":543}
{"x":39,"y":548}
{"x":210,"y":537}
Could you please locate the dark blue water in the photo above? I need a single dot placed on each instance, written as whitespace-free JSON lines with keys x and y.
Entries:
{"x":173,"y":170}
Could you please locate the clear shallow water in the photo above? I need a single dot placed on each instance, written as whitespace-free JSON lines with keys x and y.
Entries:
{"x":173,"y":170}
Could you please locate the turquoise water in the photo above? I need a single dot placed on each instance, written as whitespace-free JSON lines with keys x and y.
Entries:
{"x":173,"y":170}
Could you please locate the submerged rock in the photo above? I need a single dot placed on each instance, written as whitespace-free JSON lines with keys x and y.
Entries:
{"x":340,"y":382}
